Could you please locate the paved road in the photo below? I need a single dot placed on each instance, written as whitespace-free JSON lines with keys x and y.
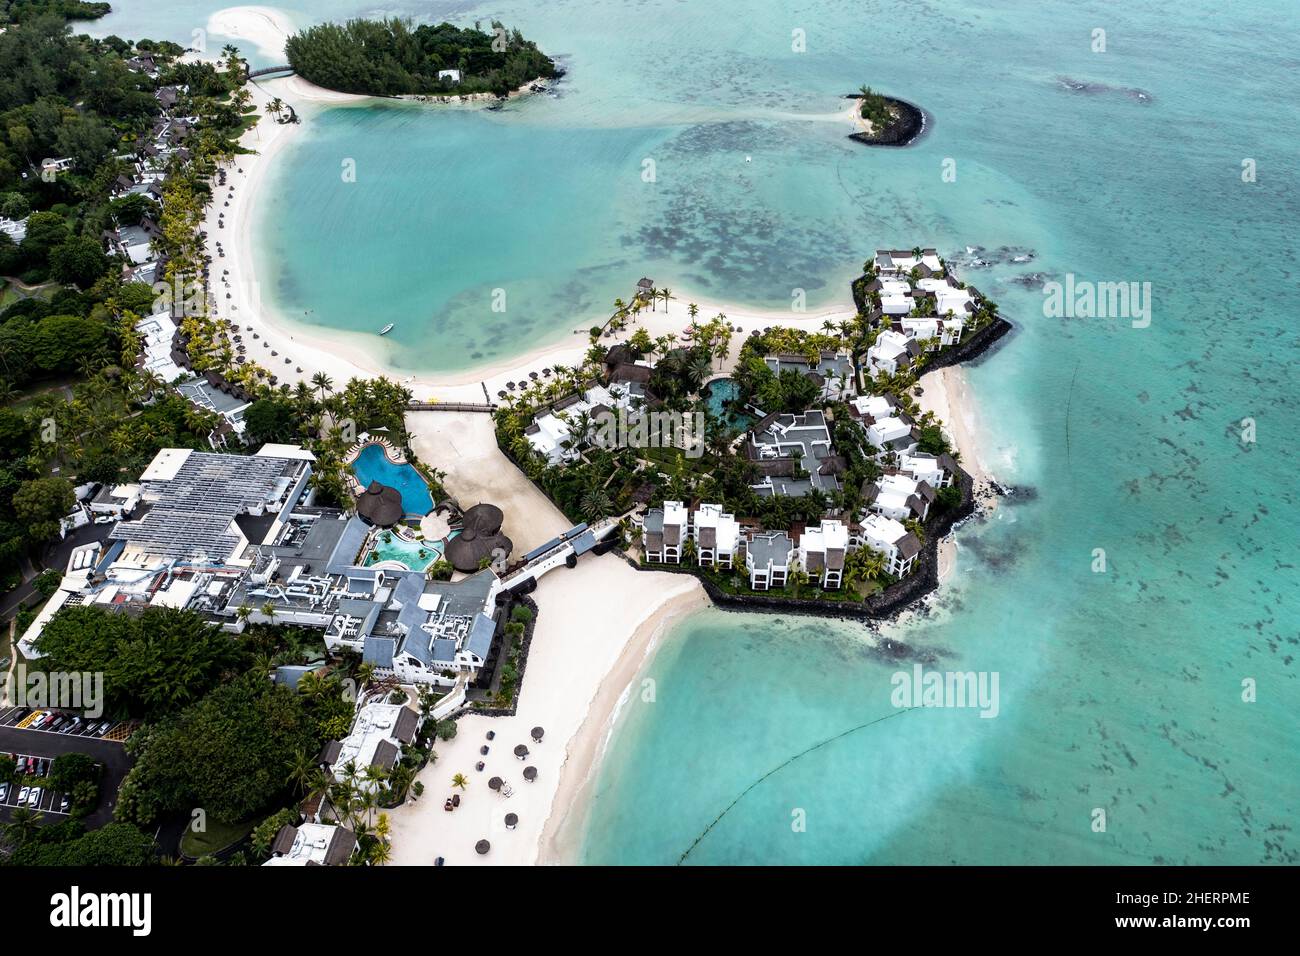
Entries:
{"x":36,"y":743}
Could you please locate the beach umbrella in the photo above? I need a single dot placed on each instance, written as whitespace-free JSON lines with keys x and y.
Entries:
{"x":533,"y":376}
{"x":481,"y":847}
{"x":495,"y":783}
{"x":501,"y":394}
{"x":483,"y":750}
{"x":512,"y":820}
{"x":530,"y":774}
{"x":537,"y":734}
{"x":491,"y":735}
{"x":479,"y":766}
{"x":521,"y":751}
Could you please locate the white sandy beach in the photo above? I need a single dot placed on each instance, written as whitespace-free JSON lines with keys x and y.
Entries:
{"x":598,"y":621}
{"x":582,"y":658}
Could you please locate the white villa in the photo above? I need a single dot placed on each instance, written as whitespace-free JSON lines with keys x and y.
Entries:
{"x":901,"y":497}
{"x":312,"y":844}
{"x":378,"y":734}
{"x":664,"y":531}
{"x":716,"y":535}
{"x":822,"y":550}
{"x":768,"y":556}
{"x":891,"y":352}
{"x":903,"y":261}
{"x":893,"y":434}
{"x":551,"y":433}
{"x":936,"y":471}
{"x":888,"y":537}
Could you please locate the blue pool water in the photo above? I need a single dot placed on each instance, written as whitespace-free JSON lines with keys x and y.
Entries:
{"x":716,"y":396}
{"x":373,"y":465}
{"x":416,"y":555}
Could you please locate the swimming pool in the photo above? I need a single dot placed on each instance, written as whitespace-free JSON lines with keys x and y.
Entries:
{"x":416,"y":555}
{"x":716,"y":396}
{"x":373,"y":464}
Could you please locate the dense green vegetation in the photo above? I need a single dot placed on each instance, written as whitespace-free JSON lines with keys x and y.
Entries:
{"x":390,"y":57}
{"x":153,"y":664}
{"x":68,"y":843}
{"x":875,"y":109}
{"x":71,"y":402}
{"x":19,"y":11}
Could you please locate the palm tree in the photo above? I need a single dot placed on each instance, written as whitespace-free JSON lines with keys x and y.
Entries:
{"x":23,"y":822}
{"x":665,"y":294}
{"x":595,"y":504}
{"x":302,"y":771}
{"x":460,"y":780}
{"x":324,"y":384}
{"x":365,"y":673}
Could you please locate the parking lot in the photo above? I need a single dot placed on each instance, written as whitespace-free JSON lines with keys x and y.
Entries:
{"x":34,"y":797}
{"x":53,"y":722}
{"x":44,"y":745}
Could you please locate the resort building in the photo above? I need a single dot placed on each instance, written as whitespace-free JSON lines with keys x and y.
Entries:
{"x":932,"y":333}
{"x":716,"y":535}
{"x":833,"y":372}
{"x":664,"y":531}
{"x":870,"y":408}
{"x":236,"y":539}
{"x":891,"y":352}
{"x":903,"y":261}
{"x":555,"y":435}
{"x":897,"y":434}
{"x":900,"y":497}
{"x":767,"y":559}
{"x":794,"y":454}
{"x":938,"y":471}
{"x":379,"y":734}
{"x":888,"y":537}
{"x":15,"y":229}
{"x":312,"y":844}
{"x":822,"y":550}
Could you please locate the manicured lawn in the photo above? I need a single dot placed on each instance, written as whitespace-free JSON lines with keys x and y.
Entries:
{"x":215,"y":838}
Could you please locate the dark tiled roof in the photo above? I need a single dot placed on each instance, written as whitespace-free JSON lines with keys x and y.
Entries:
{"x":404,"y":727}
{"x":283,"y":842}
{"x":385,"y":755}
{"x":342,"y":843}
{"x":909,"y":546}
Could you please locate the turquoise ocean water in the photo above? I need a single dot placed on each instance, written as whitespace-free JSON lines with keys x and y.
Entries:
{"x":1120,"y":690}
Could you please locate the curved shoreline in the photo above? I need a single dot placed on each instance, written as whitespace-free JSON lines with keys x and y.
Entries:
{"x":912,"y":124}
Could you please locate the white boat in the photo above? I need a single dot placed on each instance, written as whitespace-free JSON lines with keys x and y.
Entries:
{"x":386,"y":329}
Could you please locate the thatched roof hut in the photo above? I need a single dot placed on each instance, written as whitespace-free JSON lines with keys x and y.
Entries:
{"x":380,"y":505}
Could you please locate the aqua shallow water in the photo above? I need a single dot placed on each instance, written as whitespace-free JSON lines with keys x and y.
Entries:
{"x":1120,"y":690}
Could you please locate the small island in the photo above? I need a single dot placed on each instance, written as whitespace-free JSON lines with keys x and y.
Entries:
{"x":885,"y":121}
{"x":392,"y":58}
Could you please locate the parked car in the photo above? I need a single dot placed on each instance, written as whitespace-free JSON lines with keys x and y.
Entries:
{"x":22,"y":795}
{"x":35,"y":797}
{"x":4,"y":792}
{"x":63,"y":804}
